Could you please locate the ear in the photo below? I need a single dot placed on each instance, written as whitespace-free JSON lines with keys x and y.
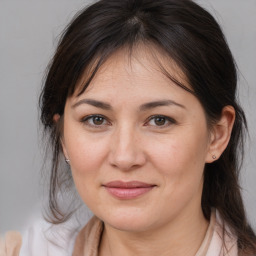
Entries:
{"x":56,"y":118}
{"x":220,"y":134}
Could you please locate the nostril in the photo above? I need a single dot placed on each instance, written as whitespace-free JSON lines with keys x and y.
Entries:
{"x":127,"y":160}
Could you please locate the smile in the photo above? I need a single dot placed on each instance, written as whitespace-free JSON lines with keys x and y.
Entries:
{"x":128,"y":190}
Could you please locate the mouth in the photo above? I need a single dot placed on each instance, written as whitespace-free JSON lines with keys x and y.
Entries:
{"x":128,"y":190}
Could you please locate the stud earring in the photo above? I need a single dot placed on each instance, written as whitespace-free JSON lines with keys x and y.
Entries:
{"x":67,"y":160}
{"x":214,"y":157}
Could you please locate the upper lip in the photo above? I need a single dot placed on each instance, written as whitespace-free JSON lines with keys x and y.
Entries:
{"x":127,"y":184}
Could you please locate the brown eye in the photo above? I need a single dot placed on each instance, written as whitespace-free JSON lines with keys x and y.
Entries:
{"x":95,"y":121}
{"x":159,"y":121}
{"x":98,"y":120}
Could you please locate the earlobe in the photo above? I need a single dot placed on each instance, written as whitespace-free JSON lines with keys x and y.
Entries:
{"x":220,"y":134}
{"x":64,"y":150}
{"x":56,"y":118}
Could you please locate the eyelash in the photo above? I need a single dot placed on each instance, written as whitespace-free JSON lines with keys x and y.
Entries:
{"x":86,"y":120}
{"x":166,"y":118}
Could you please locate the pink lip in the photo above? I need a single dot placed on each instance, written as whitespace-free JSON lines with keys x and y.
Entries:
{"x":128,"y":190}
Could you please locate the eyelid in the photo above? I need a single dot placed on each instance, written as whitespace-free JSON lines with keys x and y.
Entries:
{"x":85,"y":119}
{"x":169,"y":119}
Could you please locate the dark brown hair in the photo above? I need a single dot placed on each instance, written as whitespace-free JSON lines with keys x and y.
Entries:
{"x":191,"y":37}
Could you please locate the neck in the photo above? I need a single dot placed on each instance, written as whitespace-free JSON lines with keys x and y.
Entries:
{"x":182,"y":236}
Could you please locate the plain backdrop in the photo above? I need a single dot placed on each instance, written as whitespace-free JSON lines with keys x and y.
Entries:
{"x":29,"y":31}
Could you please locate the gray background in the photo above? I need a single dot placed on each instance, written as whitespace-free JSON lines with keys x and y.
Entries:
{"x":28,"y":35}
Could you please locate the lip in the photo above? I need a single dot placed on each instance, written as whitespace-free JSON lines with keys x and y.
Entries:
{"x":128,"y":190}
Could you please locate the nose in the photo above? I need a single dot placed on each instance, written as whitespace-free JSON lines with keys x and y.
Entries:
{"x":126,"y":151}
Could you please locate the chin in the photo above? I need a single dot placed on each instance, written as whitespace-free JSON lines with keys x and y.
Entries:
{"x":129,"y":225}
{"x":129,"y":220}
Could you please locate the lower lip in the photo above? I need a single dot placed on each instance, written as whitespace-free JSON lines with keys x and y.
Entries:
{"x":128,"y":193}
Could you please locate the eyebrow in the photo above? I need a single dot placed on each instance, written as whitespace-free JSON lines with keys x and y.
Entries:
{"x":160,"y":103}
{"x":95,"y":103}
{"x":143,"y":107}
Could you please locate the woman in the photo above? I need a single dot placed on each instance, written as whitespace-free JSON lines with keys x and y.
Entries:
{"x":140,"y":101}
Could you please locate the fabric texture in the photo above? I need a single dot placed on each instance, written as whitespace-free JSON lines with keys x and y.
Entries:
{"x":45,"y":239}
{"x":88,"y":239}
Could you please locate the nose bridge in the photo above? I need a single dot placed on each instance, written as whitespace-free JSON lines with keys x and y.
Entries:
{"x":126,"y":138}
{"x":125,"y":149}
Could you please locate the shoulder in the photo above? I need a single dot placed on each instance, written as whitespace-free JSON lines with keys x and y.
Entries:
{"x":43,"y":238}
{"x":10,"y":245}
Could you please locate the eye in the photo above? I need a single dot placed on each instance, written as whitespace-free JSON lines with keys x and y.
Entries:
{"x":95,"y":120}
{"x":159,"y":120}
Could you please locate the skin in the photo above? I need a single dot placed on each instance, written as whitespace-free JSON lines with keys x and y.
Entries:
{"x":128,"y":143}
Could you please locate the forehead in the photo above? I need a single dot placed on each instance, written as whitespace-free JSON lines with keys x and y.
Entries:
{"x":129,"y":80}
{"x":138,"y":65}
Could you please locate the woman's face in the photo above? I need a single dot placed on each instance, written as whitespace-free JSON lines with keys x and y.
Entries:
{"x":137,"y":144}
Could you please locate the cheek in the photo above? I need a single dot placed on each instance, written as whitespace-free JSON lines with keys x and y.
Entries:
{"x":86,"y":153}
{"x":85,"y":157}
{"x":181,"y":167}
{"x":181,"y":159}
{"x":178,"y":153}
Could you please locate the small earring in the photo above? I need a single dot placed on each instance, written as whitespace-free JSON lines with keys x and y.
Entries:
{"x":67,"y":161}
{"x":214,"y":157}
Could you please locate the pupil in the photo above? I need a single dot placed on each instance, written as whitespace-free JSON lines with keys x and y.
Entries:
{"x":97,"y":120}
{"x":160,"y":121}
